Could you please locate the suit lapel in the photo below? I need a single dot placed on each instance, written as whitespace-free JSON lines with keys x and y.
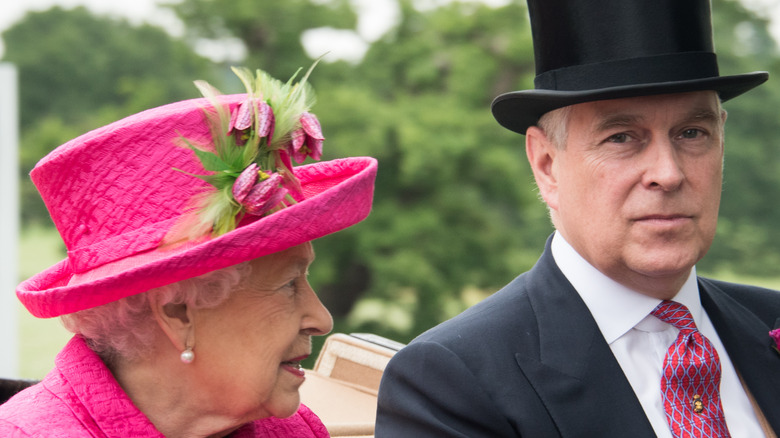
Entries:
{"x":574,"y":371}
{"x":746,"y":338}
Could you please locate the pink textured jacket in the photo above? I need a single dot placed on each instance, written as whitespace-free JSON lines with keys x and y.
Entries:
{"x":81,"y":398}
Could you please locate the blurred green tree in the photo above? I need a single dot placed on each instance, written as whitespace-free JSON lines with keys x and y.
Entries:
{"x":270,"y":31}
{"x":456,"y":214}
{"x":748,"y":240}
{"x":445,"y":219}
{"x":79,"y":71}
{"x":455,"y":209}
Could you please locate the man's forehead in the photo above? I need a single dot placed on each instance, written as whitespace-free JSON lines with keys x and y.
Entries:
{"x":699,"y":104}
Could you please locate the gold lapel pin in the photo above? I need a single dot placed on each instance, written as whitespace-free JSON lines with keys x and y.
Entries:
{"x":698,"y":406}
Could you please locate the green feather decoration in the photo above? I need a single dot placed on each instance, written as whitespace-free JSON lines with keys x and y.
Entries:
{"x":216,"y":211}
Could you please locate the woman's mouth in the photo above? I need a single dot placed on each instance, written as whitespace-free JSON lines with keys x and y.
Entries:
{"x":294,"y":366}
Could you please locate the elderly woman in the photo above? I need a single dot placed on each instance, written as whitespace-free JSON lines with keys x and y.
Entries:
{"x":188,"y":233}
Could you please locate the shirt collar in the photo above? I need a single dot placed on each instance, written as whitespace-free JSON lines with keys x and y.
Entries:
{"x":616,"y":308}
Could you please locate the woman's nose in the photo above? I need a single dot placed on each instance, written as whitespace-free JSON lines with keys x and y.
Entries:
{"x":317,"y":320}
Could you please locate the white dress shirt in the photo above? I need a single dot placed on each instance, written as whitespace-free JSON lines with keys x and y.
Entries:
{"x":639,"y":340}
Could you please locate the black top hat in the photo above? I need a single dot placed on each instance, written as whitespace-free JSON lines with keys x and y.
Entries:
{"x":588,"y":50}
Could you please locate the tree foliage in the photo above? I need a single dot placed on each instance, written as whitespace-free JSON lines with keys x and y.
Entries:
{"x":456,"y":214}
{"x":748,"y":239}
{"x":270,"y":31}
{"x":78,"y":71}
{"x":456,"y":208}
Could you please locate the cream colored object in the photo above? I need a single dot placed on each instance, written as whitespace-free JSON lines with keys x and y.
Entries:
{"x":343,"y":386}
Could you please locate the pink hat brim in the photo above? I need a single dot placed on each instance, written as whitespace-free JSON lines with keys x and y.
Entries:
{"x":337,"y":194}
{"x":344,"y":192}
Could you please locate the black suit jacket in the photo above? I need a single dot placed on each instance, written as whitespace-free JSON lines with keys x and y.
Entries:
{"x":530,"y":361}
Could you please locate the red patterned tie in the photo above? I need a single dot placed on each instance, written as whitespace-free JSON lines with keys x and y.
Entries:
{"x":691,"y":378}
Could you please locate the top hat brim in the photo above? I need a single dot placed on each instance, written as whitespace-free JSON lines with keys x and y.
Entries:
{"x":519,"y":110}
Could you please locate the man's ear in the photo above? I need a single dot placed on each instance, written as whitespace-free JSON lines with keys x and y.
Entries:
{"x":176,"y":321}
{"x":541,"y":154}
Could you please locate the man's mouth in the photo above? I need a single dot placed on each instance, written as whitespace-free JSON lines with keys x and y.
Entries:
{"x":664,"y":218}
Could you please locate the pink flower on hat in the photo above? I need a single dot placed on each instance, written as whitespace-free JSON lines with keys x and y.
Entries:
{"x":775,"y":334}
{"x":264,"y":195}
{"x":258,"y":197}
{"x":245,"y":182}
{"x":243,"y":117}
{"x":307,"y":140}
{"x":265,"y":120}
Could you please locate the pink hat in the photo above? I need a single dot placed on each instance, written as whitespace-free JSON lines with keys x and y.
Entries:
{"x":116,"y":193}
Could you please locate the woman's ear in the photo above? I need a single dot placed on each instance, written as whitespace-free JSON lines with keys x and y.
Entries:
{"x":542,"y":154}
{"x":175,"y":320}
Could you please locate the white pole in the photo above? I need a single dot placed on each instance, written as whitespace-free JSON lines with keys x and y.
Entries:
{"x":9,"y":220}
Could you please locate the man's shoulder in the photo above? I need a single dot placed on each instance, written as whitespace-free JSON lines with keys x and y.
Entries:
{"x":493,"y":316}
{"x":762,"y":301}
{"x":744,"y":292}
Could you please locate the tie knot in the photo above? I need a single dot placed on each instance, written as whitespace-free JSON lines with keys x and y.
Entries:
{"x":675,"y":314}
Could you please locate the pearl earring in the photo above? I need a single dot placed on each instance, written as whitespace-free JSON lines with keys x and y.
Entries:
{"x":187,"y":356}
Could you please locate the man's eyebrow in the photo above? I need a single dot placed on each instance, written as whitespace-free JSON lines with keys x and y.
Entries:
{"x":704,"y":114}
{"x":618,"y":120}
{"x":621,"y":120}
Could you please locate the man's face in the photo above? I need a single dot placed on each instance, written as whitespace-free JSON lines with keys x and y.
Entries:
{"x":637,"y":187}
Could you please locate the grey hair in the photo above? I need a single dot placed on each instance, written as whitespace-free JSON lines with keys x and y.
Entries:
{"x":127,"y":328}
{"x":555,"y":125}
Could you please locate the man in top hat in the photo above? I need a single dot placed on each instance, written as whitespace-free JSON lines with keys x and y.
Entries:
{"x":611,"y":333}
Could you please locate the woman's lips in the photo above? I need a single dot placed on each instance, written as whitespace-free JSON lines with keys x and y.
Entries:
{"x":294,"y":367}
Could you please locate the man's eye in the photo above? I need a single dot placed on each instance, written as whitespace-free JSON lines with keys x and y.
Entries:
{"x":618,"y":138}
{"x":691,"y":133}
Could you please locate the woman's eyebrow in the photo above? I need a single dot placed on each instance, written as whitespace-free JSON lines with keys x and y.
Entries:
{"x":301,"y":264}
